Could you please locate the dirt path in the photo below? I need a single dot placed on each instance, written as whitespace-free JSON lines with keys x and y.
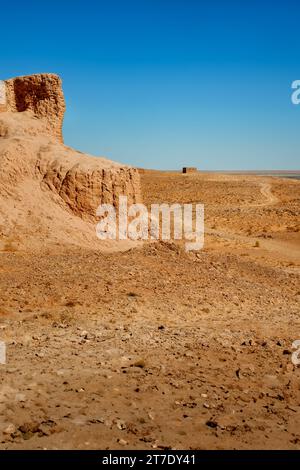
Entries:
{"x":286,"y":249}
{"x":283,"y":248}
{"x":266,"y":191}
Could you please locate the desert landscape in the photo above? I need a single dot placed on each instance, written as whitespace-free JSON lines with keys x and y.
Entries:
{"x":124,"y":345}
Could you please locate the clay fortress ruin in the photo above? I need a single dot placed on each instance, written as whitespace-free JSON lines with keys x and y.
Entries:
{"x":50,"y":191}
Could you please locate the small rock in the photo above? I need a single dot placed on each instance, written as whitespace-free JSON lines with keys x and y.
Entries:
{"x":189,"y":354}
{"x":27,"y":428}
{"x":44,"y":430}
{"x":211,"y":424}
{"x":40,"y":355}
{"x":121,"y":425}
{"x":139,"y":363}
{"x":84,"y":334}
{"x":11,"y":429}
{"x":122,"y":442}
{"x":21,"y":397}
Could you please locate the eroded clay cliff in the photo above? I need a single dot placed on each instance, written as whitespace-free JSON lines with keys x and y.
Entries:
{"x":48,"y":191}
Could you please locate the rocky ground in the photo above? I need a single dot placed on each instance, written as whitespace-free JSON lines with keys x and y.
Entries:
{"x":154,"y":347}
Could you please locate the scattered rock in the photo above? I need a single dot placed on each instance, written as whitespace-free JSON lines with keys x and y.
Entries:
{"x":139,"y":363}
{"x":211,"y":424}
{"x":122,"y":442}
{"x":10,"y":429}
{"x":121,"y":425}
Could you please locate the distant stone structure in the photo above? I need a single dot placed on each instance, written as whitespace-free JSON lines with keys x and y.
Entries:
{"x":189,"y":169}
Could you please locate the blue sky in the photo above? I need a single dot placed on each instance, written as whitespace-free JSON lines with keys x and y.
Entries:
{"x":167,"y":83}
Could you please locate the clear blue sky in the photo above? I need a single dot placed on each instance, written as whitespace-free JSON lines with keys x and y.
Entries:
{"x":167,"y":83}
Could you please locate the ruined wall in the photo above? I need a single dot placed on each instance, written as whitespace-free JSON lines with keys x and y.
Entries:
{"x":83,"y":191}
{"x":42,"y":94}
{"x":41,"y":179}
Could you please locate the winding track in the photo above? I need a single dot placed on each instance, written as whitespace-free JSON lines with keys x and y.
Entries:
{"x":266,"y":191}
{"x":281,"y":247}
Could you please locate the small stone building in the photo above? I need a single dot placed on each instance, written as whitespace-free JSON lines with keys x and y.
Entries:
{"x":189,"y":169}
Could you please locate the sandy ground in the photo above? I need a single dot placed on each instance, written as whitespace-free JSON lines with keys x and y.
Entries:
{"x":155,"y":347}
